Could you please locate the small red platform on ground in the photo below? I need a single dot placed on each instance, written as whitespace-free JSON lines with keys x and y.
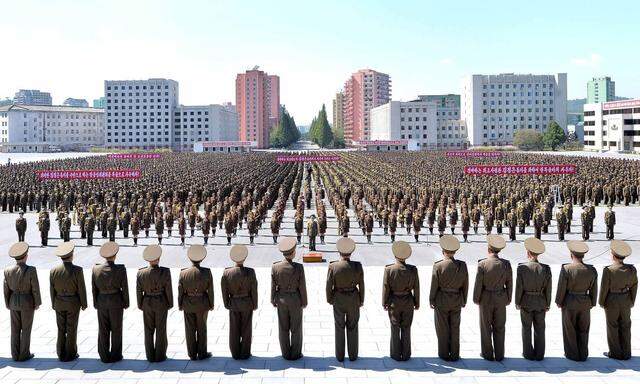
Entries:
{"x":312,"y":257}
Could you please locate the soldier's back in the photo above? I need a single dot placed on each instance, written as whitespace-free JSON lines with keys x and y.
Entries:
{"x":345,"y":273}
{"x":20,"y":279}
{"x":401,"y":277}
{"x":536,"y":280}
{"x":287,"y":274}
{"x":108,"y":278}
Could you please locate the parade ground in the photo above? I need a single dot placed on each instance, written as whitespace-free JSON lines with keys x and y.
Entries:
{"x":318,"y":364}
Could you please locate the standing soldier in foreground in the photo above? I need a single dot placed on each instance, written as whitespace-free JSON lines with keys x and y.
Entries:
{"x":492,"y":292}
{"x":400,"y":297}
{"x":610,"y":221}
{"x":289,"y":296}
{"x":195,"y":299}
{"x":533,"y":299}
{"x":345,"y":292}
{"x":68,"y":297}
{"x":312,"y":232}
{"x":154,"y":297}
{"x":110,"y":297}
{"x":617,"y":296}
{"x":21,"y":226}
{"x":577,"y":293}
{"x":240,"y":296}
{"x":22,"y":298}
{"x":448,"y":295}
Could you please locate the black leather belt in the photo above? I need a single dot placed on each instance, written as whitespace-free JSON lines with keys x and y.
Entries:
{"x":625,"y":290}
{"x":578,"y":293}
{"x":153,"y":294}
{"x":401,"y":294}
{"x":195,"y":294}
{"x":494,"y":290}
{"x":108,"y":292}
{"x":533,"y":293}
{"x":67,"y":295}
{"x":239,"y":296}
{"x":346,"y":290}
{"x":450,"y":290}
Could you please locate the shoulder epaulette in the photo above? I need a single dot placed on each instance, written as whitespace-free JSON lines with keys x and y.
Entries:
{"x":438,"y":261}
{"x":140,"y":269}
{"x":334,"y":261}
{"x":388,"y":265}
{"x":483,"y":259}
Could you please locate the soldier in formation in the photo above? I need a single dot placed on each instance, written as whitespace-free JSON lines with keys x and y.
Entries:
{"x":195,"y":300}
{"x":400,"y":298}
{"x":618,"y":291}
{"x":576,"y":294}
{"x":533,"y":299}
{"x":240,"y":296}
{"x":492,"y":292}
{"x":22,"y":299}
{"x":345,"y":292}
{"x":447,"y":297}
{"x":154,"y":296}
{"x":110,"y":298}
{"x":68,"y":298}
{"x":289,"y":296}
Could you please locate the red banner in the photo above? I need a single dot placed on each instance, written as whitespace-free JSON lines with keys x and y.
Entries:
{"x":89,"y":174}
{"x":521,"y":169}
{"x":129,"y":156}
{"x":473,"y":154}
{"x":306,"y":158}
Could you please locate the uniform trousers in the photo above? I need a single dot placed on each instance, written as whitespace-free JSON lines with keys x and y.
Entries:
{"x":401,"y":317}
{"x":447,"y":324}
{"x":195,"y":327}
{"x":155,"y":324}
{"x":492,"y":328}
{"x":290,"y":328}
{"x":535,"y":319}
{"x":110,"y":334}
{"x":346,"y":314}
{"x":619,"y":331}
{"x":66,"y":345}
{"x":21,"y":322}
{"x":240,"y":334}
{"x":575,"y":332}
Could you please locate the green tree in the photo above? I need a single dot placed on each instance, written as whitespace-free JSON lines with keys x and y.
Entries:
{"x":320,"y":131}
{"x":285,"y":132}
{"x":554,"y":136}
{"x":528,"y":140}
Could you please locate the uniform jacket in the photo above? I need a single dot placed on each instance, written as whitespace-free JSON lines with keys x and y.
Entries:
{"x":400,"y":280}
{"x":153,"y":288}
{"x":345,"y":275}
{"x":195,"y":289}
{"x":533,"y":286}
{"x":619,"y":285}
{"x":67,"y":288}
{"x":288,"y":278}
{"x":577,"y":286}
{"x":239,"y":289}
{"x":21,"y":288}
{"x":109,"y":286}
{"x":494,"y":282}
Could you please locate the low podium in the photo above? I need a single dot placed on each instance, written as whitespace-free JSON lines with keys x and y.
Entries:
{"x":312,"y":257}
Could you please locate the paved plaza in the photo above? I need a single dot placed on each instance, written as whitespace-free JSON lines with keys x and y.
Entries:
{"x":318,"y":365}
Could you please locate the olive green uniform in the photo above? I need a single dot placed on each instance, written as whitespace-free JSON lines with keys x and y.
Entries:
{"x":154,"y":297}
{"x":618,"y":295}
{"x":533,"y":297}
{"x":448,"y":294}
{"x":289,"y":295}
{"x":345,"y":291}
{"x":68,"y":296}
{"x":240,"y":296}
{"x":576,"y":295}
{"x":110,"y":298}
{"x":195,"y":299}
{"x":401,"y":296}
{"x":22,"y":297}
{"x":492,"y":292}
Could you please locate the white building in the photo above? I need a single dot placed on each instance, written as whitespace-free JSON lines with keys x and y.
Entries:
{"x":139,"y":113}
{"x":423,"y":121}
{"x":40,"y":126}
{"x":495,"y":107}
{"x":612,"y":126}
{"x":207,"y":123}
{"x":452,"y":132}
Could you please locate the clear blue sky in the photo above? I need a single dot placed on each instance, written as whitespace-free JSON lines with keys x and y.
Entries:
{"x":70,"y":47}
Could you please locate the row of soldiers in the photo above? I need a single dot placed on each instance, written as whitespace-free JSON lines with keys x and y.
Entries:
{"x":577,"y":293}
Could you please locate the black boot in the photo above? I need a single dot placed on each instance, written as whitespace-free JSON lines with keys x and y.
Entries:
{"x":393,"y":238}
{"x":206,"y":240}
{"x":182,"y":240}
{"x":452,"y":230}
{"x":159,"y":240}
{"x":135,"y":241}
{"x":275,"y":239}
{"x":228,"y":240}
{"x":322,"y":240}
{"x":465,"y":237}
{"x":298,"y":237}
{"x":431,"y":231}
{"x":416,"y":237}
{"x":192,"y":232}
{"x":169,"y":233}
{"x":146,"y":233}
{"x":251,"y":240}
{"x":369,"y":239}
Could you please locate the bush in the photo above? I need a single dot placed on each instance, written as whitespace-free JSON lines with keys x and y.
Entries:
{"x":528,"y":140}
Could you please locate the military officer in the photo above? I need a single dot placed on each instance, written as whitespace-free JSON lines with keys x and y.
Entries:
{"x":68,"y":297}
{"x":345,"y":292}
{"x":44,"y":225}
{"x":617,"y":295}
{"x":400,"y":297}
{"x":135,"y":228}
{"x":22,"y":298}
{"x":240,"y":296}
{"x":154,"y":297}
{"x":89,"y":227}
{"x":576,"y":295}
{"x":447,"y":296}
{"x":610,"y":222}
{"x":312,"y":232}
{"x":112,"y":225}
{"x":110,"y":297}
{"x":492,"y":292}
{"x":195,"y":299}
{"x":289,"y":296}
{"x":21,"y":226}
{"x":561,"y":219}
{"x":585,"y":218}
{"x":533,"y":299}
